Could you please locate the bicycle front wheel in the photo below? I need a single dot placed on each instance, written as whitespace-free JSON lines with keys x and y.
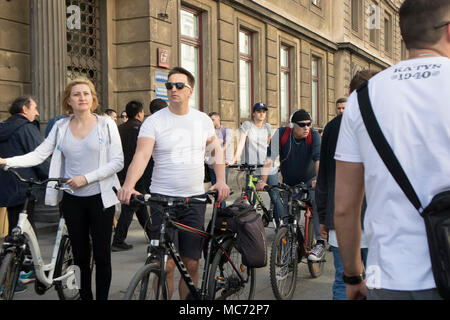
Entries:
{"x":65,"y":260}
{"x":226,"y":281}
{"x":9,"y":275}
{"x":144,"y":284}
{"x":283,"y":264}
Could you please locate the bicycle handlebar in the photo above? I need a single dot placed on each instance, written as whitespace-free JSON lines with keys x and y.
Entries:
{"x":32,"y":181}
{"x":246,"y":167}
{"x":292,"y":189}
{"x":172,"y":201}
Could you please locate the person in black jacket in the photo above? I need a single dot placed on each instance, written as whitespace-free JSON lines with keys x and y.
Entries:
{"x":20,"y":135}
{"x":326,"y":185}
{"x":128,"y":133}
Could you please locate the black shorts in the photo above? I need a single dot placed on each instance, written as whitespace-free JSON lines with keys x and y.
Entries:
{"x":189,"y":245}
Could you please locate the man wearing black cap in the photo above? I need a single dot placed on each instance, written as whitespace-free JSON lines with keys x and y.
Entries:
{"x":299,"y":149}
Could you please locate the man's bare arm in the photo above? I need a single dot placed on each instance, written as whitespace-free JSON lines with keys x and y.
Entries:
{"x":349,"y":193}
{"x":142,"y":155}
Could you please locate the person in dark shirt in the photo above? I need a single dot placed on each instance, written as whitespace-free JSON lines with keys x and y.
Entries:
{"x":326,"y":181}
{"x":129,"y":132}
{"x":20,"y":135}
{"x":299,"y":162}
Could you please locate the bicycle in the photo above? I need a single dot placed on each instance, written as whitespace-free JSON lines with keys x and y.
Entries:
{"x":224,"y":275}
{"x":60,"y":272}
{"x":250,"y":193}
{"x":291,"y":244}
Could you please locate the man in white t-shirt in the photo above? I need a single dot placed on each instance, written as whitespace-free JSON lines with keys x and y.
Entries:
{"x":412,"y":108}
{"x":177,"y":138}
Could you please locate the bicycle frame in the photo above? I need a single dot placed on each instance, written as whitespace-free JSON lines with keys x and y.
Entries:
{"x":167,"y":246}
{"x":24,"y":228}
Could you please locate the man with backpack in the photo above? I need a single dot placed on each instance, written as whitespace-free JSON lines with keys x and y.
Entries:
{"x":411,"y":110}
{"x":299,"y":149}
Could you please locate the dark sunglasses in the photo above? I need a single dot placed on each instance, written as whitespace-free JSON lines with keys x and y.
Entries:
{"x":123,"y":117}
{"x":303,"y":124}
{"x":178,"y":85}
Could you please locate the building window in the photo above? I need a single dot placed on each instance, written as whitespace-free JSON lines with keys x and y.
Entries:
{"x":84,"y":46}
{"x":356,"y":7}
{"x":285,"y":84}
{"x":245,"y":74}
{"x":191,"y":52}
{"x":388,"y":33}
{"x":315,"y":90}
{"x":316,"y":3}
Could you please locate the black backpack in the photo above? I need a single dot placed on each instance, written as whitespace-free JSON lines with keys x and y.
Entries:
{"x":241,"y":218}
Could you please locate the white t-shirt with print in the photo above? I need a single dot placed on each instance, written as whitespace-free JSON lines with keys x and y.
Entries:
{"x":411,"y":102}
{"x":179,"y":151}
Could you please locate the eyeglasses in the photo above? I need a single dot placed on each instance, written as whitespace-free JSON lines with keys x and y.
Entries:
{"x":440,"y":25}
{"x":303,"y":124}
{"x":123,"y":117}
{"x":178,"y":85}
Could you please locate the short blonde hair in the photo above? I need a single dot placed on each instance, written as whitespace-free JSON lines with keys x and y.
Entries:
{"x":68,"y":90}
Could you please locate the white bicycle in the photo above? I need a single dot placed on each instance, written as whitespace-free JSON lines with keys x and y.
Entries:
{"x":60,"y":272}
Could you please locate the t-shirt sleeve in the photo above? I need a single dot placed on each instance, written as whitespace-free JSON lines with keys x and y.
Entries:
{"x":347,"y":148}
{"x":148,"y":129}
{"x":209,"y":127}
{"x":245,"y":127}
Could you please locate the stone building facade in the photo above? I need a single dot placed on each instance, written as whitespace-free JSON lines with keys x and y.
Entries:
{"x":289,"y":54}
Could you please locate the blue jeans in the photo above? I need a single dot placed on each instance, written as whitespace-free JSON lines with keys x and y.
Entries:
{"x":339,"y":285}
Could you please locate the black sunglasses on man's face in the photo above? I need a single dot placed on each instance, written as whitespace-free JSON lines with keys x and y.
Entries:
{"x":303,"y":124}
{"x":178,"y":85}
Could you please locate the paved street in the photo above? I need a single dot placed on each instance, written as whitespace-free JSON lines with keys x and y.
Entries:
{"x":125,"y":264}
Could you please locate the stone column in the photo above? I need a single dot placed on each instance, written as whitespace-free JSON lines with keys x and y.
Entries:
{"x":48,"y":53}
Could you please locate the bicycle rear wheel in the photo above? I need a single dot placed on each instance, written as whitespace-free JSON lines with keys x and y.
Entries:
{"x":144,"y":284}
{"x":224,"y":282}
{"x":9,"y":275}
{"x":315,"y":267}
{"x":283,"y":264}
{"x":65,"y":260}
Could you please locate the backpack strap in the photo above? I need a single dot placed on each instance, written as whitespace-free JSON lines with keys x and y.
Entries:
{"x":309,"y":138}
{"x":285,"y":136}
{"x":383,"y":148}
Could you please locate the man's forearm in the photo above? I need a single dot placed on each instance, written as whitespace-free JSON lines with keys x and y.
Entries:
{"x":349,"y":194}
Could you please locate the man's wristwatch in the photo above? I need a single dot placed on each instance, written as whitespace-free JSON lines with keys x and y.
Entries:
{"x":354,"y":279}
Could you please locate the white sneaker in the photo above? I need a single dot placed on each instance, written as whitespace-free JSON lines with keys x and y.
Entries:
{"x":317,"y":253}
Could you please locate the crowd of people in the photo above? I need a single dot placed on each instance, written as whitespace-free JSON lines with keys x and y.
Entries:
{"x":362,"y":214}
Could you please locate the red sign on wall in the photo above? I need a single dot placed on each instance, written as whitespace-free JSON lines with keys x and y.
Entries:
{"x":163,"y":58}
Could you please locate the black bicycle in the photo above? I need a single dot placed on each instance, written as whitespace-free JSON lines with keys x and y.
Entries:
{"x":293,"y":242}
{"x":224,"y":274}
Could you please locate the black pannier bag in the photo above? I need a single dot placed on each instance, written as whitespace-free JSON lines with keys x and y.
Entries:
{"x":241,"y":218}
{"x":436,"y":215}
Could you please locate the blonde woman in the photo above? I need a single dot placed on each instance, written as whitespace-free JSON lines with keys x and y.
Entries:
{"x":86,"y":148}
